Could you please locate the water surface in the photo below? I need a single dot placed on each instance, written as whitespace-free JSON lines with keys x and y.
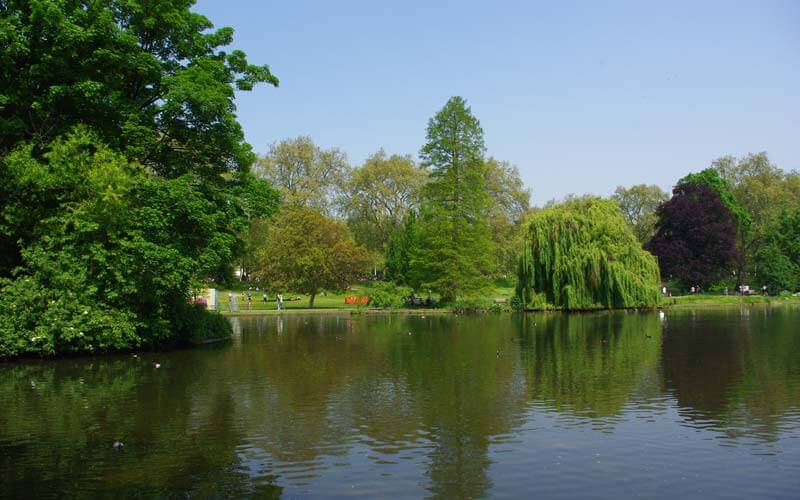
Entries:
{"x":607,"y":405}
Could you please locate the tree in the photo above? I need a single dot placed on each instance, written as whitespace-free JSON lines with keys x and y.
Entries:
{"x":581,"y":255}
{"x":125,"y":173}
{"x":764,"y":191}
{"x":379,"y":195}
{"x":113,"y":267}
{"x":401,"y":249}
{"x":638,"y":204}
{"x":712,"y":179}
{"x":509,"y":202}
{"x":305,"y":174}
{"x":695,"y":238}
{"x":307,"y":252}
{"x":454,"y":253}
{"x":254,"y":239}
{"x":149,"y":78}
{"x":779,"y":256}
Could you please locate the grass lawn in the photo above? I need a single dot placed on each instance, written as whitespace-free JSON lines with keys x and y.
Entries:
{"x":500,"y":288}
{"x":723,"y":300}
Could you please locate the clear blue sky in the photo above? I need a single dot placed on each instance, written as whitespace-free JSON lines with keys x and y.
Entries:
{"x":581,"y":96}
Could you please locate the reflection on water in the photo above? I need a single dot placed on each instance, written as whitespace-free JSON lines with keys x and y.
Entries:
{"x":599,"y":405}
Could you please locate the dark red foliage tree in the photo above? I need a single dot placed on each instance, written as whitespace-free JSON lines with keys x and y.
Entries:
{"x":696,"y":236}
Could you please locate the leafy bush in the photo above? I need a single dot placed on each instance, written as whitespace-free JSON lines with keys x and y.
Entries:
{"x":195,"y":324}
{"x":723,"y":284}
{"x":389,"y":295}
{"x":111,"y":266}
{"x":472,"y":306}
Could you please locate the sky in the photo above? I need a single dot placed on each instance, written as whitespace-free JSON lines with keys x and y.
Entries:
{"x":581,"y":96}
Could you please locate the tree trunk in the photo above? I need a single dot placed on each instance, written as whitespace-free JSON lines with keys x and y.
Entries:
{"x":311,"y":300}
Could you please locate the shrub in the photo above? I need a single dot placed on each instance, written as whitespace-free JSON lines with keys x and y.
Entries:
{"x":472,"y":306}
{"x":389,"y":295}
{"x":194,"y":324}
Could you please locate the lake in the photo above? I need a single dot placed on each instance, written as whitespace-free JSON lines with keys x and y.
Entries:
{"x":697,"y":403}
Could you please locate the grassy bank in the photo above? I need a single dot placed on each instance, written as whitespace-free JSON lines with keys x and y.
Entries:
{"x":501,"y":289}
{"x":726,"y":300}
{"x":334,"y":303}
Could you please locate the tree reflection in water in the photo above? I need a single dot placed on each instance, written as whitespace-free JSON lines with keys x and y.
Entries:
{"x":294,"y":399}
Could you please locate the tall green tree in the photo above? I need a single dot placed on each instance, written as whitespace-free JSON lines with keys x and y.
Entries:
{"x":454,"y":254}
{"x":125,"y":174}
{"x":151,"y":79}
{"x":638,"y":204}
{"x":306,"y":252}
{"x":401,"y":249}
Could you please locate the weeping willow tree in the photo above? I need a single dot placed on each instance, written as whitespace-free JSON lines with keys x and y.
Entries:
{"x":582,"y":255}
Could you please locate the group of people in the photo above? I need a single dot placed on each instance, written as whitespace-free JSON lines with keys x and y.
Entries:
{"x":234,"y":306}
{"x":743,"y":290}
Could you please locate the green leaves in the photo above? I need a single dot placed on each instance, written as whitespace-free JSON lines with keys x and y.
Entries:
{"x":582,"y":255}
{"x":306,"y":252}
{"x":638,"y":204}
{"x":454,"y":253}
{"x":379,"y":194}
{"x":779,"y":257}
{"x":125,"y":172}
{"x":147,"y":76}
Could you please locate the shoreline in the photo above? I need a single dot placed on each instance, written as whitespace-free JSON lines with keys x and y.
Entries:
{"x":682,"y":302}
{"x":323,"y":311}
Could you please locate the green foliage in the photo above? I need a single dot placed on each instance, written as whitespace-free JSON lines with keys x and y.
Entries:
{"x":150,"y":77}
{"x":379,"y":195}
{"x":388,"y":295}
{"x":638,"y":204}
{"x":711,"y":178}
{"x":509,"y":202}
{"x":196,"y":324}
{"x":305,"y":174}
{"x":454,"y":251}
{"x":111,"y":264}
{"x":779,"y":258}
{"x":764,"y":191}
{"x":125,"y":173}
{"x":402,"y":246}
{"x":307,"y":252}
{"x":474,"y":305}
{"x":582,"y":255}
